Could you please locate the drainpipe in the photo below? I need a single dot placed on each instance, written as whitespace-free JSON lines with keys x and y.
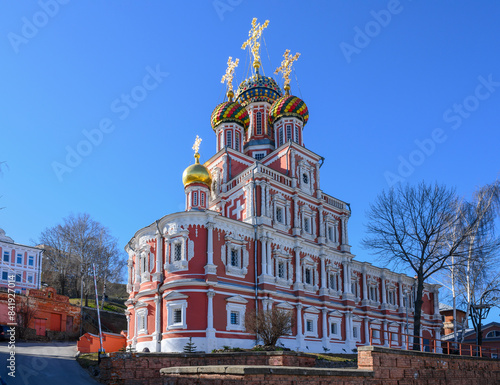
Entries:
{"x":158,"y":312}
{"x":322,"y":161}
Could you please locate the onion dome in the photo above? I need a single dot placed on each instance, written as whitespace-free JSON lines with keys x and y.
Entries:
{"x":258,"y":88}
{"x":197,"y":173}
{"x":290,"y":106}
{"x":230,"y":112}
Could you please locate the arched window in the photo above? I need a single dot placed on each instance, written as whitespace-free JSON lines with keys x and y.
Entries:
{"x":202,"y":199}
{"x":237,"y":141}
{"x":280,"y":141}
{"x":229,"y":139}
{"x":195,"y":198}
{"x":258,"y":123}
{"x":296,"y":134}
{"x":288,"y":132}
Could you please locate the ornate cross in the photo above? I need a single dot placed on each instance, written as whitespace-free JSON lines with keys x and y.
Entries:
{"x":254,"y":40}
{"x":286,"y":67}
{"x":196,"y":145}
{"x":228,"y":76}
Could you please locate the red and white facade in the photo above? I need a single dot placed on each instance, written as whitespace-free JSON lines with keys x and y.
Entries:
{"x":20,"y":265}
{"x":268,"y":237}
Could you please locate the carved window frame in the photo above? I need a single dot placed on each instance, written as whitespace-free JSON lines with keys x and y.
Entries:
{"x":240,"y":247}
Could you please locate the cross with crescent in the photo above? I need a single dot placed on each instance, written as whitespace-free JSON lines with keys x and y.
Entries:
{"x":253,"y":40}
{"x":286,"y":68}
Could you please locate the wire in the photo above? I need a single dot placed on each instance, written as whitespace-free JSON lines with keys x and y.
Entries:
{"x":297,"y":80}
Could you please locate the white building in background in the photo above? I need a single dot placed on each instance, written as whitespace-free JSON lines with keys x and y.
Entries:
{"x":20,"y":264}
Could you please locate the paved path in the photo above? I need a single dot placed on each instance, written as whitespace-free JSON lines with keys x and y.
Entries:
{"x":44,"y":363}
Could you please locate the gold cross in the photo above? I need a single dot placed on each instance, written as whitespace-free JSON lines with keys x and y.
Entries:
{"x":196,"y":145}
{"x":228,"y":76}
{"x":286,"y":68}
{"x":254,"y":41}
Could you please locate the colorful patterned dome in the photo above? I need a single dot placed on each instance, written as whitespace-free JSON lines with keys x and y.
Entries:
{"x":289,"y":106}
{"x":258,"y":89}
{"x":230,"y":112}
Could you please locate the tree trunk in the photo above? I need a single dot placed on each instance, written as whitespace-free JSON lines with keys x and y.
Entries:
{"x":418,"y":310}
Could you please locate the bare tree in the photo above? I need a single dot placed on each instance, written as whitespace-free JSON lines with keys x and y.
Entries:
{"x":411,"y":227}
{"x":74,"y":246}
{"x":269,"y":325}
{"x":25,"y":313}
{"x":476,"y":269}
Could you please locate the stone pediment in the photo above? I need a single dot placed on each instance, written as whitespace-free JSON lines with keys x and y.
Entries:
{"x":236,"y":299}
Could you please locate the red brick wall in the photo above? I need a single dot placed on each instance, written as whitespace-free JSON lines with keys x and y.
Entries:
{"x":118,"y":368}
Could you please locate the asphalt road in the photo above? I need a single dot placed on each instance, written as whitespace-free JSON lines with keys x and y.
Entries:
{"x":43,"y":364}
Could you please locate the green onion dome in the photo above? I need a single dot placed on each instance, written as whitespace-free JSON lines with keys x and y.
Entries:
{"x":289,"y":106}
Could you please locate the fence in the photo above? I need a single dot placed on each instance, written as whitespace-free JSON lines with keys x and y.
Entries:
{"x":432,"y":345}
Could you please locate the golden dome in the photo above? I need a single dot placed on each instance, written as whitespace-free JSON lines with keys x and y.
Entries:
{"x":197,"y":173}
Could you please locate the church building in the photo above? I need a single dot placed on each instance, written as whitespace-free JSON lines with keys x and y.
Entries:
{"x":257,"y":233}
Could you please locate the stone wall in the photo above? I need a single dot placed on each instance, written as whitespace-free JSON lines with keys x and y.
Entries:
{"x":376,"y":366}
{"x":122,"y":368}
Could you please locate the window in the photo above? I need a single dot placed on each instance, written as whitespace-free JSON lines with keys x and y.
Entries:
{"x":493,"y":334}
{"x":234,"y":258}
{"x":18,"y":277}
{"x":309,"y":326}
{"x":19,"y":259}
{"x":259,"y":155}
{"x":280,"y":142}
{"x":354,"y":288}
{"x":330,"y":234}
{"x":235,"y":318}
{"x":308,"y":278}
{"x":355,"y":332}
{"x":176,"y":315}
{"x":376,"y":333}
{"x":288,"y":132}
{"x":229,"y":139}
{"x":394,"y":336}
{"x":31,"y":260}
{"x":334,"y":328}
{"x":373,"y":293}
{"x":237,"y":141}
{"x":142,"y":321}
{"x":332,"y":281}
{"x":307,"y":226}
{"x":6,"y":256}
{"x":177,"y":252}
{"x":279,"y":214}
{"x":281,"y":270}
{"x":305,"y":178}
{"x":235,"y":309}
{"x":5,"y":275}
{"x":391,"y":297}
{"x":296,"y":134}
{"x":258,"y":123}
{"x":202,"y":199}
{"x":30,"y":278}
{"x":195,"y":198}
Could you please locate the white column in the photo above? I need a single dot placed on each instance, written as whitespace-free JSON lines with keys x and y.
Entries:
{"x":347,"y":277}
{"x":263,"y":260}
{"x":157,"y":337}
{"x":210,"y":310}
{"x":365,"y":287}
{"x":210,"y":268}
{"x":298,"y":278}
{"x":321,"y":224}
{"x":385,"y":330}
{"x":325,"y":328}
{"x":323,"y":271}
{"x":384,"y":293}
{"x":367,"y":331}
{"x":400,"y":285}
{"x":299,"y":326}
{"x":296,"y":223}
{"x":263,"y":199}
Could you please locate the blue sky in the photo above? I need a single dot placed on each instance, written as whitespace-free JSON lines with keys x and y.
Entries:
{"x":396,"y":90}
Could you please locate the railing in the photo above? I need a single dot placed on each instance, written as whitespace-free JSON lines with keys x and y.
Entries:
{"x":432,"y":345}
{"x":332,"y":201}
{"x":287,"y":181}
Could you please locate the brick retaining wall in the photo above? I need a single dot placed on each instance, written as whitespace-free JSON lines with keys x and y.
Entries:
{"x":144,"y":368}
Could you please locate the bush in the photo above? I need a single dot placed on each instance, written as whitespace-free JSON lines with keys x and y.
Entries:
{"x":269,"y":325}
